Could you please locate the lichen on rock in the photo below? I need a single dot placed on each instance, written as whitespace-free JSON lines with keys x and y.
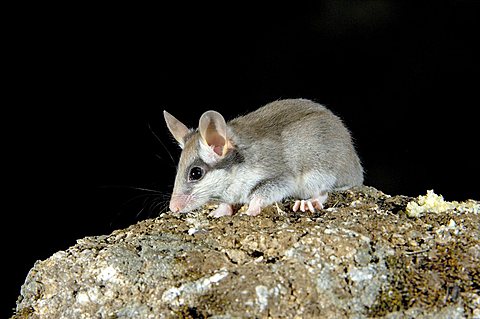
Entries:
{"x":433,"y":203}
{"x":362,"y":256}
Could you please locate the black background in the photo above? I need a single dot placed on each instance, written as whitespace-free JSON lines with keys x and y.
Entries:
{"x":89,"y":85}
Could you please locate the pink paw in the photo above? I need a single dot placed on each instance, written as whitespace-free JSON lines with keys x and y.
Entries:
{"x":310,"y":204}
{"x":222,"y":210}
{"x":253,"y":211}
{"x":255,"y":207}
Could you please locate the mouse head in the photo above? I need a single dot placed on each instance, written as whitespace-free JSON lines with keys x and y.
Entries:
{"x":206,"y":154}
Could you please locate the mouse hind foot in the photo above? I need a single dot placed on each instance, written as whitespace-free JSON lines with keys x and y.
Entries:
{"x":310,"y":204}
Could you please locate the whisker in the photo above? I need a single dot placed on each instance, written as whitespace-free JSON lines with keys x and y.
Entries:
{"x":140,"y":212}
{"x":164,"y":209}
{"x":165,"y":147}
{"x":147,"y":190}
{"x":160,"y":204}
{"x":136,"y":197}
{"x":152,"y":205}
{"x":131,"y":187}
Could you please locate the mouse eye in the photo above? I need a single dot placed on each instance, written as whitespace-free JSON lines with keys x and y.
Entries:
{"x":195,"y":173}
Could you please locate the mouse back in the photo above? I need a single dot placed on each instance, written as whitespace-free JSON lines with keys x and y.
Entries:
{"x":299,"y":135}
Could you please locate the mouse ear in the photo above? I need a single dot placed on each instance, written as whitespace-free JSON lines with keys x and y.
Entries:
{"x":213,"y":131}
{"x":177,"y":128}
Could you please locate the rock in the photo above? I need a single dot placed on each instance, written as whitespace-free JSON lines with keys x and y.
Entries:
{"x":360,"y":257}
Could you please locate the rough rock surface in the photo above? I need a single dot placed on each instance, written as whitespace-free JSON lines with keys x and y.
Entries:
{"x":360,"y":257}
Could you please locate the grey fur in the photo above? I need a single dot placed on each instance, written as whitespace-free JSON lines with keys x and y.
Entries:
{"x":287,"y":148}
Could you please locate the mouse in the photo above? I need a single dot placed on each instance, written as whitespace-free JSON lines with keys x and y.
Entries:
{"x":289,"y":148}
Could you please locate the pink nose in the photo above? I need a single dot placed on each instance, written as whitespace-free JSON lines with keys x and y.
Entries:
{"x":174,"y":208}
{"x":176,"y":204}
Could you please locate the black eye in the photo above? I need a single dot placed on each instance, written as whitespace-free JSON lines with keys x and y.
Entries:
{"x":195,"y":173}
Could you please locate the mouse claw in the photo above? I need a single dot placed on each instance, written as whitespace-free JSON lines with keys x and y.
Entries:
{"x":311,"y":204}
{"x":296,"y":205}
{"x":303,"y":205}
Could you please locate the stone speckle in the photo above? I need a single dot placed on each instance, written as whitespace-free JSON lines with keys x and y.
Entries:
{"x":360,"y":257}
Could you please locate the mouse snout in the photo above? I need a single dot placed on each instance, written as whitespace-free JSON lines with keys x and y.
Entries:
{"x":177,"y":203}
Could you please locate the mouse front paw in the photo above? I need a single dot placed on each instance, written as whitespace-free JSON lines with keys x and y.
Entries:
{"x":253,"y":211}
{"x":254,"y":207}
{"x":222,"y":210}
